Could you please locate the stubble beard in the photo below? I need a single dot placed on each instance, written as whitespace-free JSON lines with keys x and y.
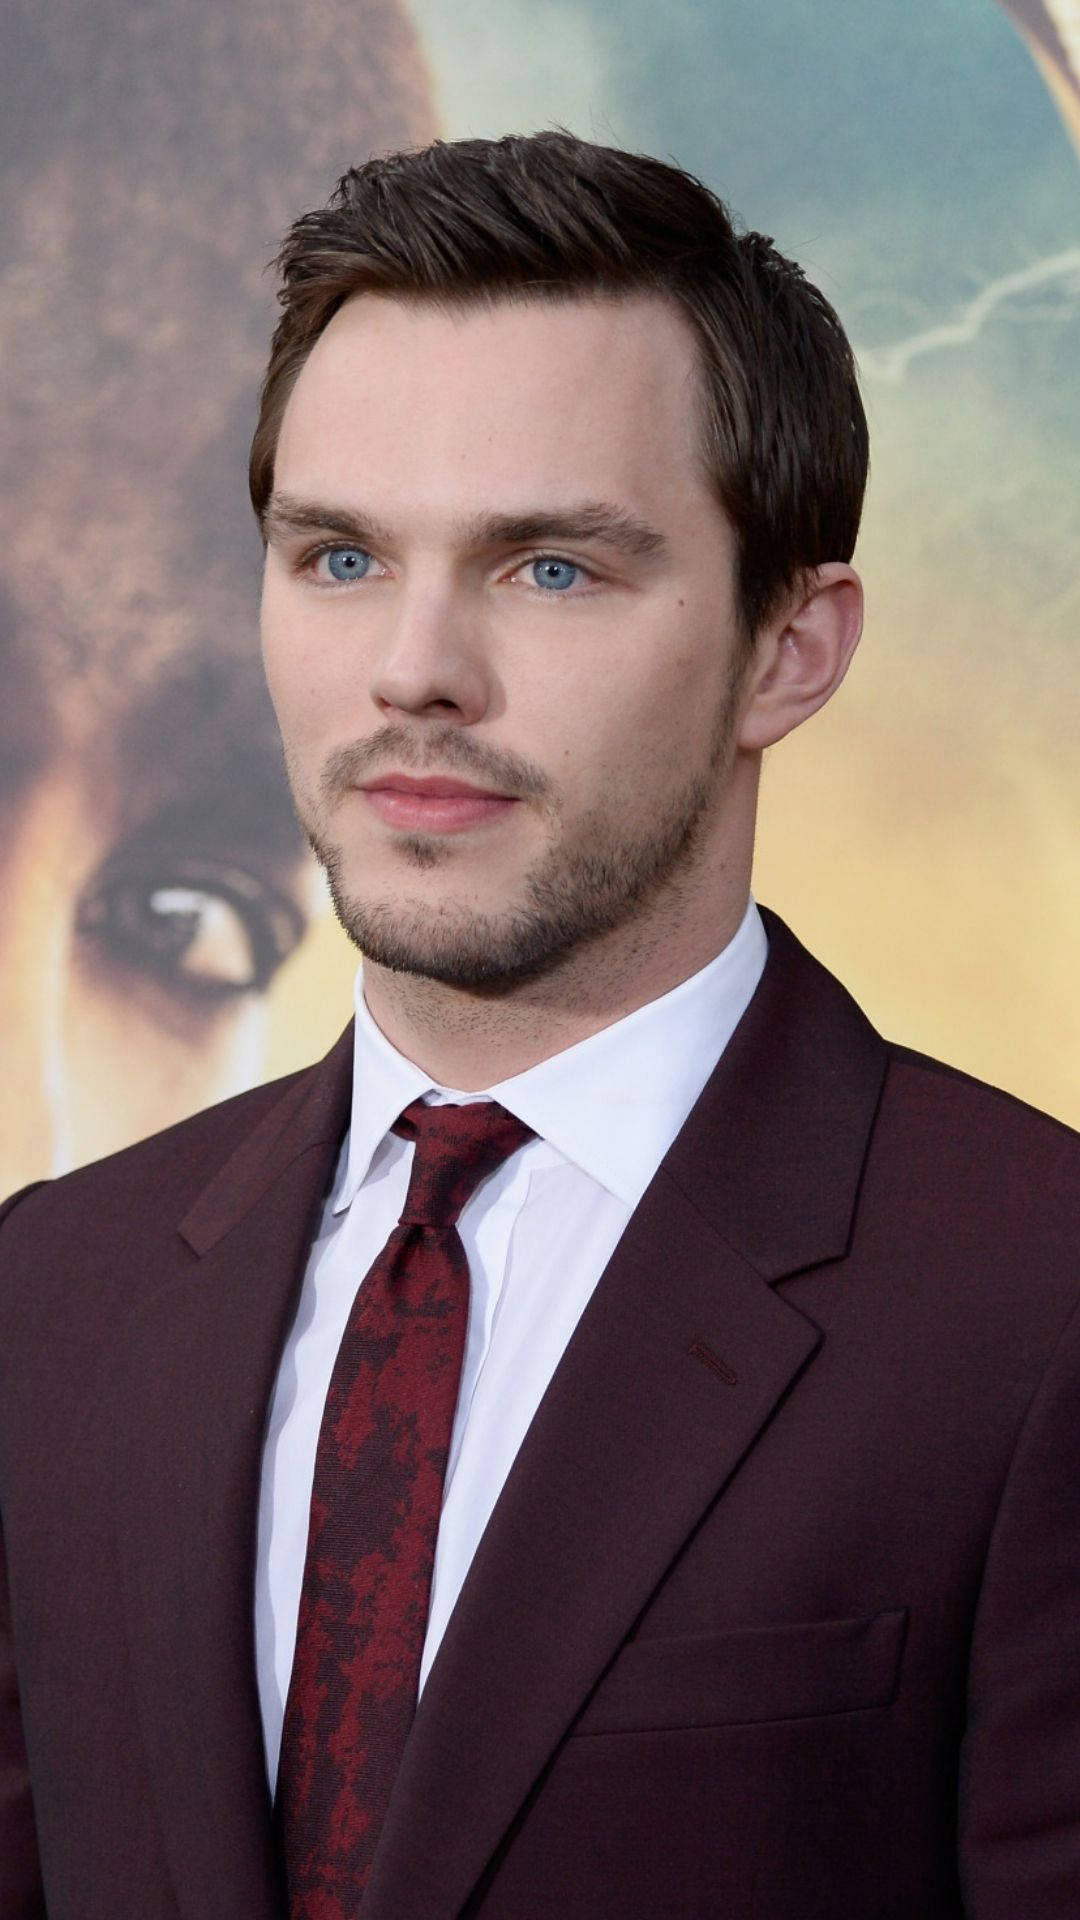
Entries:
{"x":586,"y":885}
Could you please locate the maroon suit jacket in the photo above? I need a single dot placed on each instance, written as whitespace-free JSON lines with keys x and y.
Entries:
{"x":778,"y":1617}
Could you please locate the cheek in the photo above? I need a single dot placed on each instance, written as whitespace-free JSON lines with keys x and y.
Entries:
{"x":310,"y":683}
{"x":689,"y":697}
{"x":646,"y":720}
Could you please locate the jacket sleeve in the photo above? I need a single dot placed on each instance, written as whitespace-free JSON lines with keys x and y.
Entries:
{"x":21,"y":1893}
{"x":1020,"y":1781}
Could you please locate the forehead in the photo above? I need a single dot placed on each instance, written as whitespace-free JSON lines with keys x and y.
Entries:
{"x":518,"y":399}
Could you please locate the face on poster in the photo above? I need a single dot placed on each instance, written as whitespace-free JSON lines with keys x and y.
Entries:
{"x":156,"y":944}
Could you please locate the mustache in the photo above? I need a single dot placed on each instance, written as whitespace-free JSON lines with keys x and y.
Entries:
{"x":440,"y":748}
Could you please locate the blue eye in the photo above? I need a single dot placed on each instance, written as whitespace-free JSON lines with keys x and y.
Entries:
{"x":347,"y":563}
{"x":554,"y":574}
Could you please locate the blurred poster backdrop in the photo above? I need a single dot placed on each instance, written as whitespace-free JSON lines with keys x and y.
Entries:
{"x":163,"y":939}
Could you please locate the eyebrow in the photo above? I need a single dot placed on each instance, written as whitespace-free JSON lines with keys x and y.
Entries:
{"x":593,"y":520}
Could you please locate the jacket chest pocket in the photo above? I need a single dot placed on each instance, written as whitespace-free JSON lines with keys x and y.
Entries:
{"x":749,"y":1674}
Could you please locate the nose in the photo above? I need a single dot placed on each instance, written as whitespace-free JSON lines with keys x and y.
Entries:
{"x":433,"y":661}
{"x":33,"y":938}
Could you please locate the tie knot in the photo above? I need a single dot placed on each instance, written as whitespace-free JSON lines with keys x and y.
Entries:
{"x":456,"y":1148}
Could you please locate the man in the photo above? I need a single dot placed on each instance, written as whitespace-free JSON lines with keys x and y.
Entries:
{"x":149,"y":895}
{"x":747,"y":1385}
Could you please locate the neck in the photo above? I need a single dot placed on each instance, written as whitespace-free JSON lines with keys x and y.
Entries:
{"x":472,"y":1040}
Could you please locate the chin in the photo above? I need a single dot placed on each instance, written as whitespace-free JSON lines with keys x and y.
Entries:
{"x":488,"y":954}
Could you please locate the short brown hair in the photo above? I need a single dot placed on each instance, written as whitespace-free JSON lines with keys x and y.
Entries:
{"x":549,"y":216}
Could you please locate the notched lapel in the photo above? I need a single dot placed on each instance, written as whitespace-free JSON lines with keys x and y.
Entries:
{"x":201,"y":1358}
{"x":312,"y":1114}
{"x":633,"y":1441}
{"x":773,"y":1153}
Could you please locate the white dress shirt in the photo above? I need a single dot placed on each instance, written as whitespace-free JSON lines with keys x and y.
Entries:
{"x":538,"y":1234}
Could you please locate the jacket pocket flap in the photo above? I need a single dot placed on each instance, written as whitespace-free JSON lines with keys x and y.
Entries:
{"x":752,"y":1673}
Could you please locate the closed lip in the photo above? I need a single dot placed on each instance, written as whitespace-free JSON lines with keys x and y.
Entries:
{"x":431,"y":787}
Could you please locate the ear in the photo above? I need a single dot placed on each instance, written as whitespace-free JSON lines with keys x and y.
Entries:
{"x":801,"y":657}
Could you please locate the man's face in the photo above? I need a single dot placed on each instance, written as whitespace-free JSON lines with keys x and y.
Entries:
{"x":499,"y":628}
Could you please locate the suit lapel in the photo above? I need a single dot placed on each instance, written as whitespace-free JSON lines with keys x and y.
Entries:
{"x":200,"y":1359}
{"x":676,"y":1367}
{"x":632,"y":1441}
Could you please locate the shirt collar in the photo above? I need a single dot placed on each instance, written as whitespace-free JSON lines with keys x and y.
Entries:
{"x":612,"y":1104}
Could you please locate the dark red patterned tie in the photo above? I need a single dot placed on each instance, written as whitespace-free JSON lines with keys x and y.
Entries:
{"x":375,"y":1505}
